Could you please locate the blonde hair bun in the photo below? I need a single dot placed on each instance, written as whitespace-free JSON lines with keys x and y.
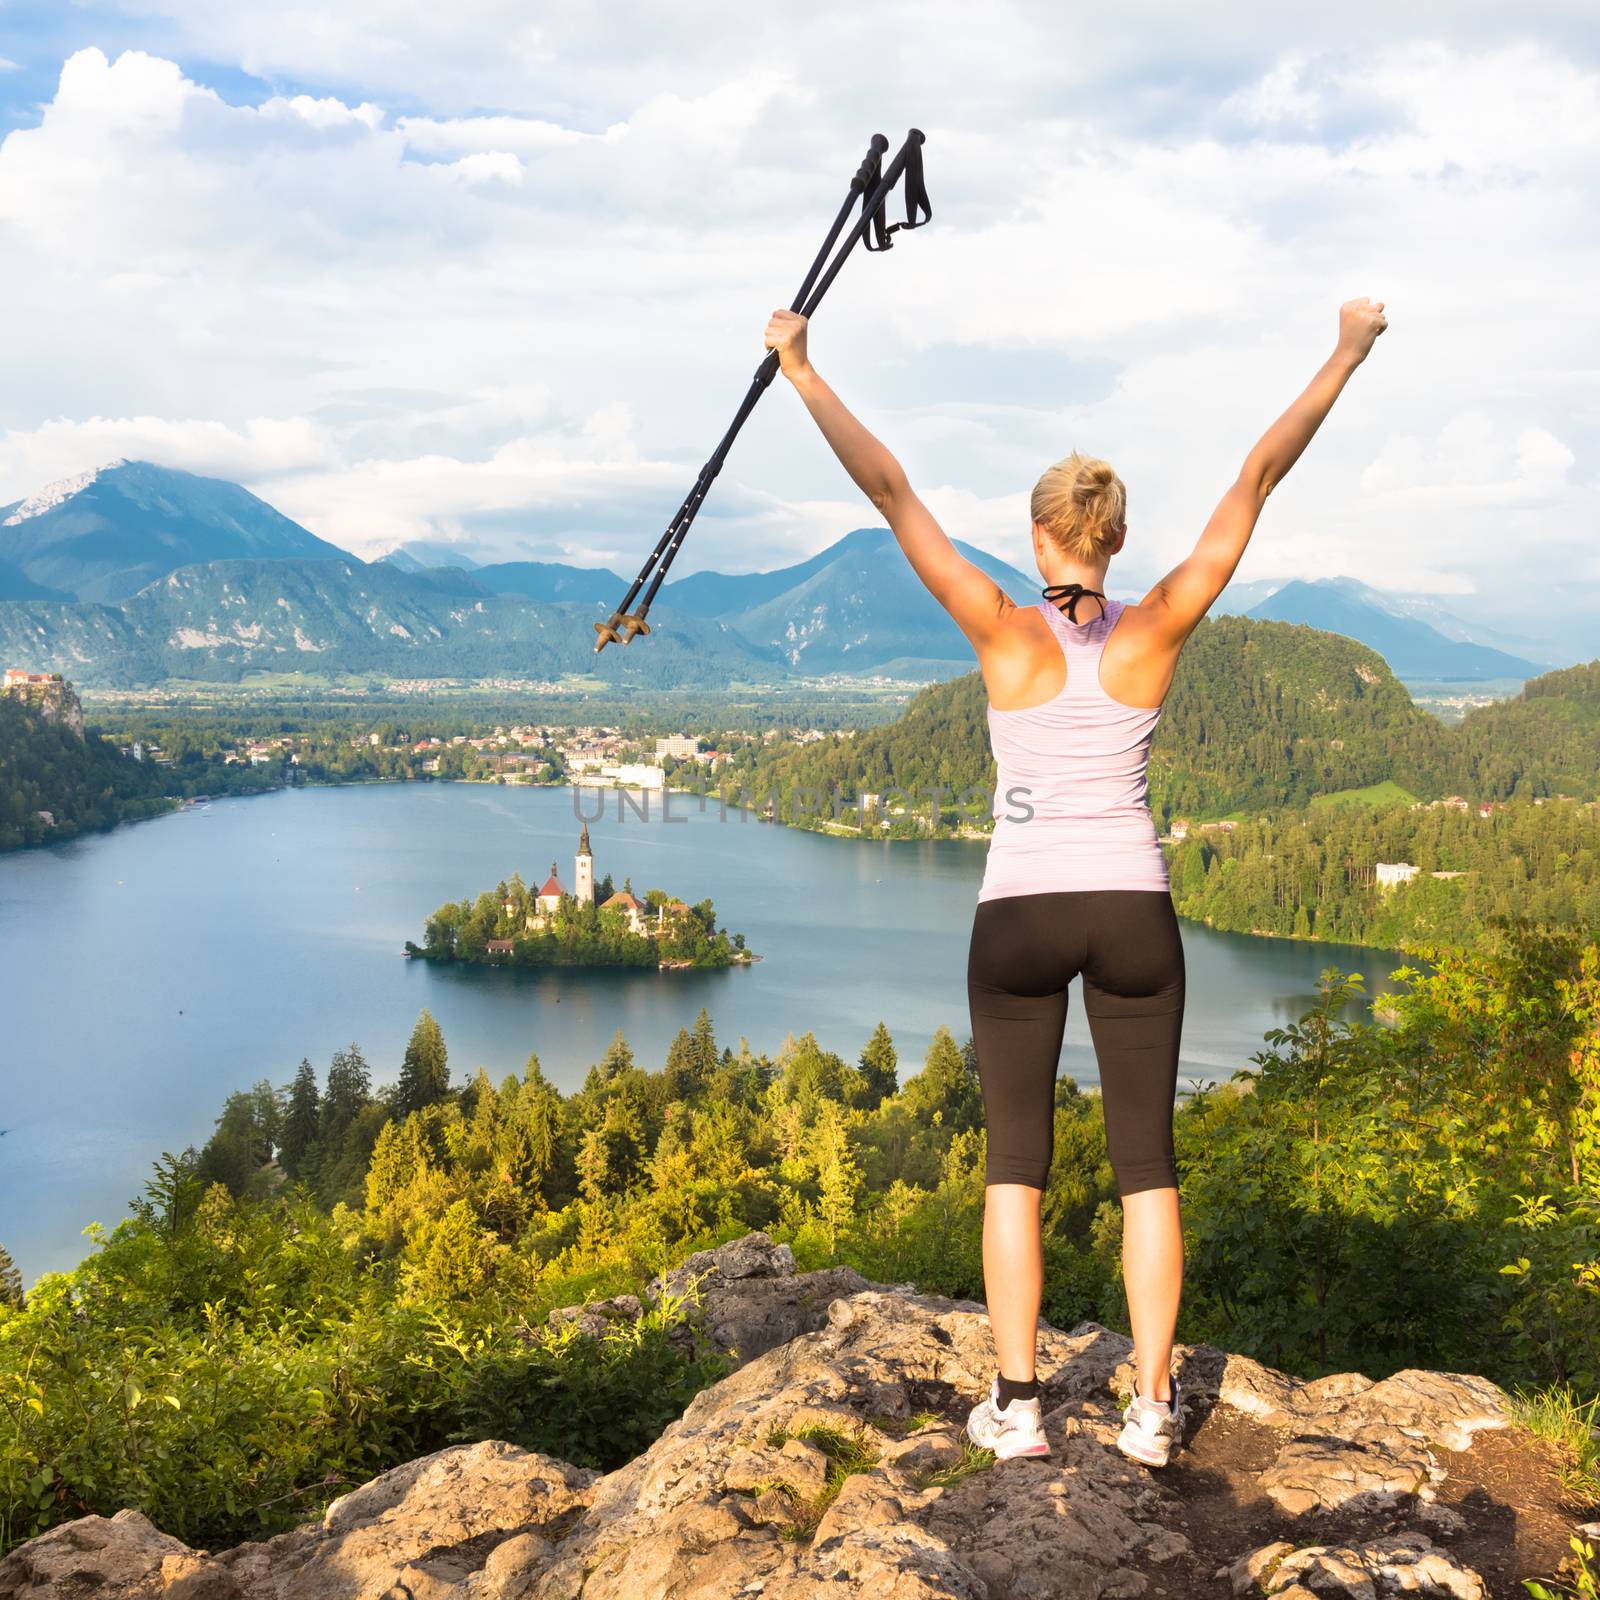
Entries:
{"x":1082,"y":504}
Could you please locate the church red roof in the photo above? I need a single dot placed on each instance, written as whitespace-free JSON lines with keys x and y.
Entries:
{"x":552,"y":885}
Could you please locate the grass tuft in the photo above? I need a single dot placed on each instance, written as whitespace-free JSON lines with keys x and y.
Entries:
{"x":848,"y":1453}
{"x":973,"y":1460}
{"x":1557,"y":1414}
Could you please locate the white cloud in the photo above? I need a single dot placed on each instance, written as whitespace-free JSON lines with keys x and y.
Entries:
{"x":526,"y":136}
{"x":325,"y":113}
{"x":8,"y":65}
{"x":486,"y":166}
{"x":525,"y":310}
{"x":1474,"y":461}
{"x":1279,"y":97}
{"x":259,"y":450}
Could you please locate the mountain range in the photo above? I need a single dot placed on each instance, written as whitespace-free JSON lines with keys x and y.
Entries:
{"x":133,"y":573}
{"x":1414,"y":648}
{"x":104,"y":535}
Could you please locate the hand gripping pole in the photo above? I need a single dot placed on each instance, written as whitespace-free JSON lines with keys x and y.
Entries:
{"x":874,"y":182}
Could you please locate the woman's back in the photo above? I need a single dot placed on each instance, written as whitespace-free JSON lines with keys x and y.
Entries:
{"x":1071,"y":802}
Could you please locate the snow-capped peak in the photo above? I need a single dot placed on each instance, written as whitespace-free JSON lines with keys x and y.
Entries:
{"x":52,"y":495}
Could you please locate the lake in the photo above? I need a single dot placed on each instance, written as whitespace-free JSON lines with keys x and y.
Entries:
{"x":153,"y":969}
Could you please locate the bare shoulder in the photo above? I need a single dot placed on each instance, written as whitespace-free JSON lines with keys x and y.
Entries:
{"x":1142,"y":619}
{"x":1140,"y":655}
{"x":1020,"y":658}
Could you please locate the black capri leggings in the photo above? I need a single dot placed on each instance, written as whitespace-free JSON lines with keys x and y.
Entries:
{"x":1025,"y":950}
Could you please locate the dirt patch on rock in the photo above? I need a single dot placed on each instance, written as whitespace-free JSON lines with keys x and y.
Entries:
{"x":1519,"y":1519}
{"x":1500,"y":1508}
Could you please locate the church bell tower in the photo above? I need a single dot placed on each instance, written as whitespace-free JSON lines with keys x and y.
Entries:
{"x":583,"y":871}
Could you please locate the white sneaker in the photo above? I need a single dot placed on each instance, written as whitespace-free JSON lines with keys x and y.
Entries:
{"x":1016,"y":1431}
{"x":1150,"y":1429}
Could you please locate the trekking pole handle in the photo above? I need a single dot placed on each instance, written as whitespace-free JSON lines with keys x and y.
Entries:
{"x":867,"y":172}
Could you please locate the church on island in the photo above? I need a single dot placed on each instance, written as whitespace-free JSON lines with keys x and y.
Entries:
{"x":579,"y":922}
{"x":547,"y":903}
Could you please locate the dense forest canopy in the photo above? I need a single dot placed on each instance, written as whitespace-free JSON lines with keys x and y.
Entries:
{"x":1314,"y":873}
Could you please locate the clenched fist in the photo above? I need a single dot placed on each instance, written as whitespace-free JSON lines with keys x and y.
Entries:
{"x":786,"y":333}
{"x":1360,"y":322}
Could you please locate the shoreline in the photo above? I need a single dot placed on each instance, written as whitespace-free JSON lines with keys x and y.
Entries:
{"x":827,"y":831}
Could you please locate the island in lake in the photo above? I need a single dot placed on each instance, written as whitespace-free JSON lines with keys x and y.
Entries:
{"x":594,"y":924}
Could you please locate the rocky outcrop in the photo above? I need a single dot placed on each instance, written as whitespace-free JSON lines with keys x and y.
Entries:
{"x":120,"y":1556}
{"x":48,"y":693}
{"x":463,"y":1521}
{"x":745,"y":1298}
{"x":1355,"y":1444}
{"x":1400,"y":1563}
{"x":834,"y":1463}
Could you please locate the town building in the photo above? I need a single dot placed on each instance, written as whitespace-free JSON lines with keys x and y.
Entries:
{"x":1391,"y":874}
{"x":630,"y":908}
{"x":633,"y":775}
{"x":677,"y":747}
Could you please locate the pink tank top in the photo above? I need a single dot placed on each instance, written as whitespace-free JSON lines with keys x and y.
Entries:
{"x":1071,"y":806}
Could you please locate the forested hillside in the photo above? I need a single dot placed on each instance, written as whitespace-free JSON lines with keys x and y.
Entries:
{"x":1271,"y":714}
{"x":55,"y":784}
{"x":940,"y":740}
{"x":1313,"y":873}
{"x":1261,"y":715}
{"x":1546,"y":741}
{"x":82,"y":783}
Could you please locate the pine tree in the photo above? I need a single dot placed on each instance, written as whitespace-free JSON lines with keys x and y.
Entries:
{"x":10,"y":1281}
{"x":613,"y":1154}
{"x":424,"y":1072}
{"x":680,"y":1077}
{"x":538,"y":1141}
{"x":404,"y":1156}
{"x":1192,"y":875}
{"x":705,"y":1046}
{"x":301,"y":1120}
{"x":349,"y":1090}
{"x":617,"y":1060}
{"x":946,"y":1086}
{"x":838,"y":1173}
{"x":879,"y":1067}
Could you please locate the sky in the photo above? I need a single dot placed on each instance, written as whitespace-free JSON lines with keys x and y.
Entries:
{"x":496,"y":273}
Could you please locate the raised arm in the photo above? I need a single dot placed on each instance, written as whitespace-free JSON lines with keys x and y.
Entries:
{"x":974,"y":600}
{"x":1184,"y":596}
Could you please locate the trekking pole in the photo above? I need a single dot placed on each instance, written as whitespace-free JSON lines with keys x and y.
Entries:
{"x":874,"y":183}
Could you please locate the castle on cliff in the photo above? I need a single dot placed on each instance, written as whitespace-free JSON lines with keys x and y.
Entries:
{"x":48,"y":693}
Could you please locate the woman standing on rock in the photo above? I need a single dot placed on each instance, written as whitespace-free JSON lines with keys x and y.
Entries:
{"x":1076,"y":884}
